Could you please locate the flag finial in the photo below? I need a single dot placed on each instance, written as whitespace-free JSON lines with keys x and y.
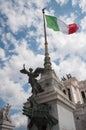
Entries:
{"x":43,"y":10}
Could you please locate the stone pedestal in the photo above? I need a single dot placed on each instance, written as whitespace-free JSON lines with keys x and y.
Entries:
{"x":6,"y":125}
{"x":61,"y":107}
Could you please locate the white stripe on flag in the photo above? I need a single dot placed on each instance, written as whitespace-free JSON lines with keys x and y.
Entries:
{"x":62,"y":26}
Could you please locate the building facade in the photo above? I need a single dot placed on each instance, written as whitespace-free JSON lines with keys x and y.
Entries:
{"x":76,"y":92}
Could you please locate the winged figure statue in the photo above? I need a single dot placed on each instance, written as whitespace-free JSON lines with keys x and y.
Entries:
{"x":36,"y":87}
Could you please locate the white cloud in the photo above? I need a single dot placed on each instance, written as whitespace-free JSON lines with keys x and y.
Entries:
{"x":14,"y":12}
{"x":2,"y":54}
{"x":73,"y":65}
{"x":40,"y":3}
{"x":12,"y":93}
{"x":62,"y":2}
{"x":19,"y":16}
{"x":83,"y":25}
{"x":69,"y":19}
{"x":19,"y":120}
{"x":82,"y":4}
{"x":74,"y":2}
{"x":11,"y":90}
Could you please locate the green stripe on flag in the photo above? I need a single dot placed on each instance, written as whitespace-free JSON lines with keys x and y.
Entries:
{"x":52,"y":22}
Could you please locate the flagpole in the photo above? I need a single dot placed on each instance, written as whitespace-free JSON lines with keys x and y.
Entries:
{"x":47,"y":63}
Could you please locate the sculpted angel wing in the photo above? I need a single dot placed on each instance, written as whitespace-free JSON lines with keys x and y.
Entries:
{"x":38,"y":71}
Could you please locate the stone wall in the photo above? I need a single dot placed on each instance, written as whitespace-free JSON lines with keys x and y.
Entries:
{"x":80,"y":116}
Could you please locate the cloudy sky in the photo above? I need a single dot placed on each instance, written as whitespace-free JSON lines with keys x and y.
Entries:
{"x":22,"y":42}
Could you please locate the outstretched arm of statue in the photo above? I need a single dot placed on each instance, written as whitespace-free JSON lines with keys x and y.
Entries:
{"x":24,"y":71}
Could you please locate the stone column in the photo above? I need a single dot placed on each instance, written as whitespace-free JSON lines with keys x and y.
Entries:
{"x":79,"y":96}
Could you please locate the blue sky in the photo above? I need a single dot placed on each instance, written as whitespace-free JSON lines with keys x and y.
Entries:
{"x":22,"y":42}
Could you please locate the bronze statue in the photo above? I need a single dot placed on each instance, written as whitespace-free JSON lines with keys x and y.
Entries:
{"x":39,"y":115}
{"x":68,"y":76}
{"x":36,"y":87}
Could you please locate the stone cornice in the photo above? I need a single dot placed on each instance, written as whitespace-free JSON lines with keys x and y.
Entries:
{"x":54,"y":95}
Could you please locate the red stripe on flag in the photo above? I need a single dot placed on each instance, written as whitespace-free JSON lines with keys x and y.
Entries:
{"x":73,"y":28}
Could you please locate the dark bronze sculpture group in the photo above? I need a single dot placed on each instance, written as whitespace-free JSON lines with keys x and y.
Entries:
{"x":39,"y":114}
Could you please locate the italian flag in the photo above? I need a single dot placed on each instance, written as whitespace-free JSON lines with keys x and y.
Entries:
{"x":58,"y":25}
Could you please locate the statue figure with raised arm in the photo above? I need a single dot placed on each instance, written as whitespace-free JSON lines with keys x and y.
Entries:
{"x":4,"y":113}
{"x":36,"y":87}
